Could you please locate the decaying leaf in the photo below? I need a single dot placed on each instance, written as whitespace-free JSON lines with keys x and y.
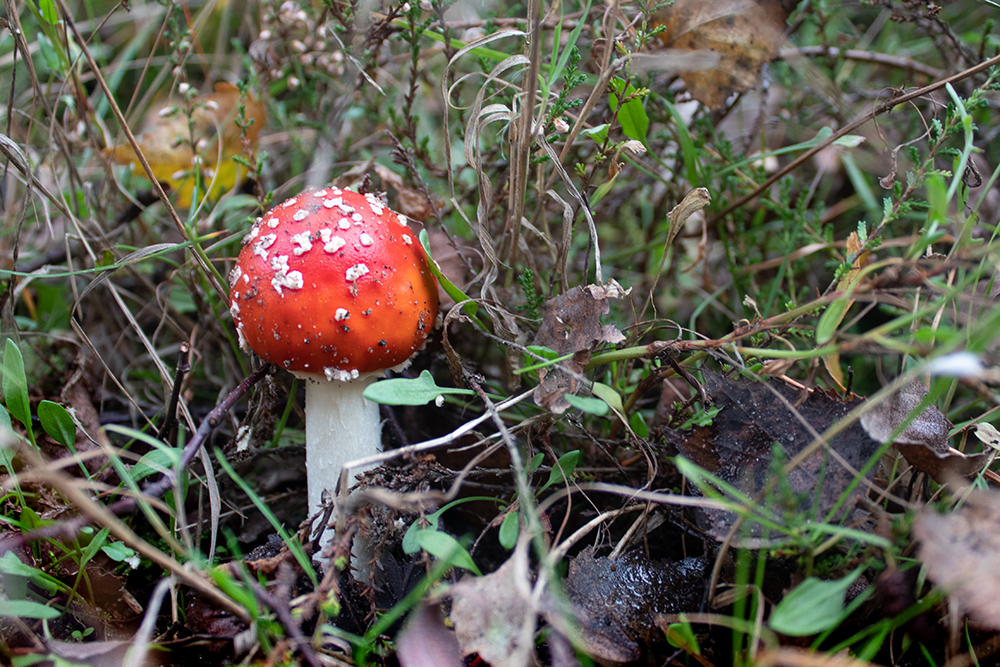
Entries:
{"x":616,"y":602}
{"x":175,"y":153}
{"x":929,"y":428}
{"x":754,"y":418}
{"x":426,"y":641}
{"x":493,"y":614}
{"x":744,"y":34}
{"x":961,"y":550}
{"x":571,"y":324}
{"x":924,"y":440}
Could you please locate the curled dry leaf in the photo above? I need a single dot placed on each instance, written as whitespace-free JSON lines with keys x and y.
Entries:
{"x":744,"y":34}
{"x":928,"y":428}
{"x":961,"y":550}
{"x":616,"y":602}
{"x":571,"y":324}
{"x":924,"y":440}
{"x":171,"y":149}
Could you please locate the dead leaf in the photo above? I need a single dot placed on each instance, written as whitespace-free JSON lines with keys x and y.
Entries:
{"x":744,"y":34}
{"x":94,"y":654}
{"x":856,"y":250}
{"x":738,"y":447}
{"x":930,"y":428}
{"x":426,"y":642}
{"x":493,"y":614}
{"x":167,"y":144}
{"x":616,"y":602}
{"x":571,"y":324}
{"x":961,"y":550}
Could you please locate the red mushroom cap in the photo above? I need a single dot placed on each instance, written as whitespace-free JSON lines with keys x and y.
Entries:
{"x":333,"y":283}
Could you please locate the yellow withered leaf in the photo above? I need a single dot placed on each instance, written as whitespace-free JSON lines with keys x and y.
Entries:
{"x":848,"y":282}
{"x":171,"y":145}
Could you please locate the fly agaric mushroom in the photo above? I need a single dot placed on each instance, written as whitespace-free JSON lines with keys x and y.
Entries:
{"x":334,"y":287}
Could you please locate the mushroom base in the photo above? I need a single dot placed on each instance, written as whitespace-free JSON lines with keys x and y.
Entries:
{"x":341,"y":426}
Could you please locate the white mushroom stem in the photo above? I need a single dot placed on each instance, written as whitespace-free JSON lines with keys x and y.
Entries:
{"x":341,"y":426}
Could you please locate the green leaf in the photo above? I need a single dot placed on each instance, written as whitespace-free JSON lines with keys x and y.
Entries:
{"x":8,"y":448}
{"x":638,"y":424}
{"x":551,"y":357}
{"x":534,"y":462}
{"x":567,"y":464}
{"x":609,"y":396}
{"x":155,"y":462}
{"x":603,"y":189}
{"x":632,"y":116}
{"x":813,"y":606}
{"x":410,"y":545}
{"x":28,"y":609}
{"x":681,"y":635}
{"x":831,"y":318}
{"x":118,"y":552}
{"x":445,"y":547}
{"x":410,"y":391}
{"x":11,"y":565}
{"x":544,"y":352}
{"x":509,"y":530}
{"x":49,"y":11}
{"x":599,"y":133}
{"x":15,"y":385}
{"x":594,"y":406}
{"x":57,"y":422}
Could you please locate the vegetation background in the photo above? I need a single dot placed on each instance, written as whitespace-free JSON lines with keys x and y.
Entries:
{"x":806,"y":191}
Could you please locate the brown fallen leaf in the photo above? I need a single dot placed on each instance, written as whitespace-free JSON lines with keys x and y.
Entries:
{"x":493,"y":614}
{"x":738,"y":448}
{"x":929,"y":428}
{"x":924,"y":440}
{"x":961,"y":550}
{"x":616,"y":602}
{"x":571,"y":324}
{"x":426,"y":641}
{"x":170,"y":147}
{"x":744,"y":34}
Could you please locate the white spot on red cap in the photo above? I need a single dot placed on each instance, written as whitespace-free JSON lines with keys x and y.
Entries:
{"x":401,"y":219}
{"x":241,"y":338}
{"x":346,"y":209}
{"x":334,"y":373}
{"x":263,"y":243}
{"x":330,"y":203}
{"x":251,"y":235}
{"x":344,"y":223}
{"x":341,"y":314}
{"x":352,"y":274}
{"x":367,"y":240}
{"x":283,"y":278}
{"x":319,"y":194}
{"x":407,"y":239}
{"x":234,"y":275}
{"x":300,"y":215}
{"x":376,"y":209}
{"x":273,"y":222}
{"x":358,"y":218}
{"x":303,"y":241}
{"x":291,"y":202}
{"x":331,"y":243}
